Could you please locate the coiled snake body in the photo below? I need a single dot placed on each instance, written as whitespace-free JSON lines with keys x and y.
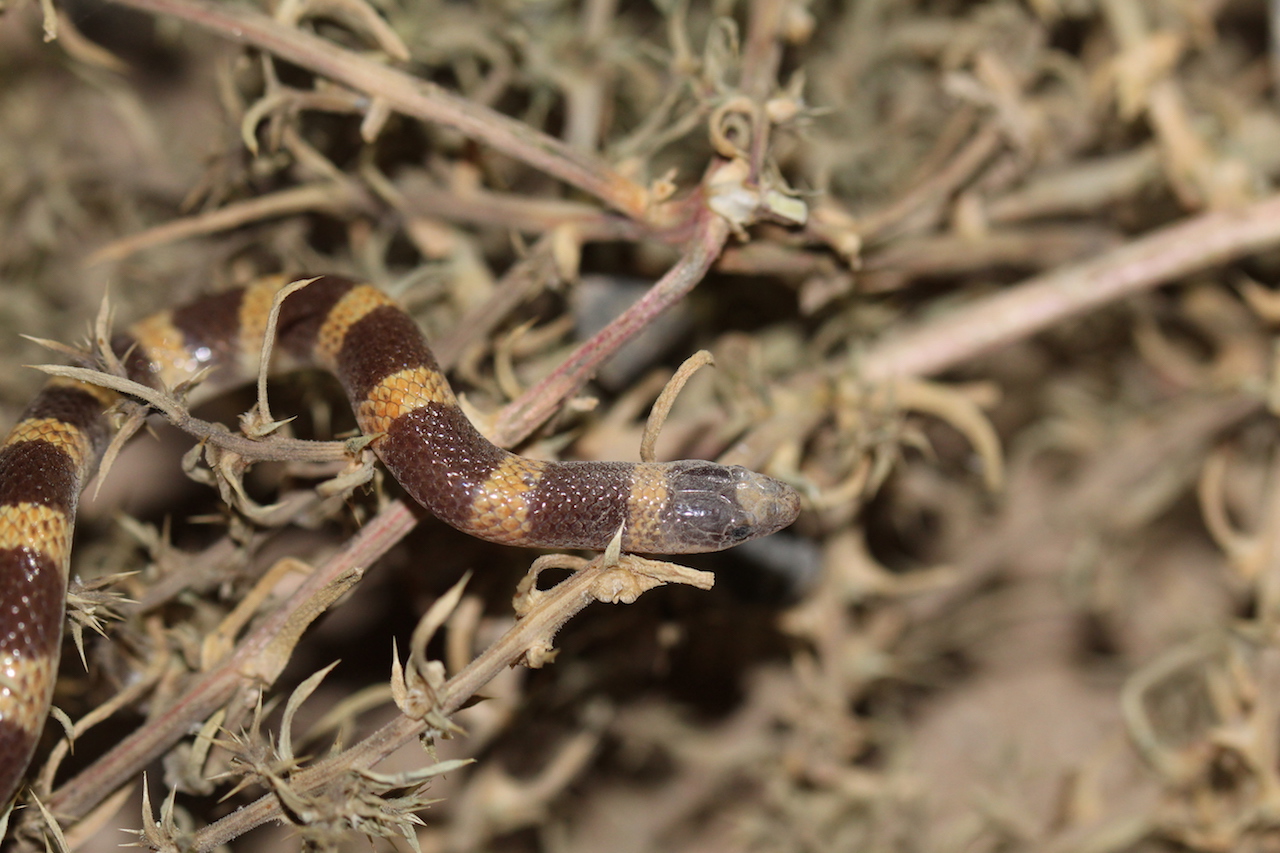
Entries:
{"x":399,"y":395}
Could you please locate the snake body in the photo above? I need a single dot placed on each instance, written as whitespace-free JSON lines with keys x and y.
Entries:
{"x":400,"y":396}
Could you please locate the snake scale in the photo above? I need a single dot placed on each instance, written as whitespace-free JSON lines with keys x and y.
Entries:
{"x":400,"y":396}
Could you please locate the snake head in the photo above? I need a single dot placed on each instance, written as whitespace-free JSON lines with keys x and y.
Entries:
{"x":712,"y":507}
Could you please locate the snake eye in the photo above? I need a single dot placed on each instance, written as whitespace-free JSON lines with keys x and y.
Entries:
{"x":737,"y":534}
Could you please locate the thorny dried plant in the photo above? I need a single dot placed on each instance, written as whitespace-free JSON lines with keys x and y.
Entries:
{"x":1032,"y":603}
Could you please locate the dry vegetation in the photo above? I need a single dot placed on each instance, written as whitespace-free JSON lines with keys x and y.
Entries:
{"x":990,"y":282}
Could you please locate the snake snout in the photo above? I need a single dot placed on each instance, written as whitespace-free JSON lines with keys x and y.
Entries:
{"x":771,"y":503}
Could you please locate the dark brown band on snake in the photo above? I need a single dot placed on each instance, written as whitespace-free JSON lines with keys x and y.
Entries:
{"x":401,"y":397}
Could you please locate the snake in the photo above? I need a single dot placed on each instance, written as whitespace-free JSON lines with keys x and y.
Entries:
{"x":401,"y":399}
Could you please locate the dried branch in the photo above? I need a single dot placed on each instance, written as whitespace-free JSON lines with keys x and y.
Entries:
{"x":997,"y":320}
{"x":410,"y":95}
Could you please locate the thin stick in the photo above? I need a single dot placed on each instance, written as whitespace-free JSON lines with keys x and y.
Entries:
{"x":526,"y":414}
{"x":667,"y":399}
{"x":328,"y":196}
{"x":1044,"y":300}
